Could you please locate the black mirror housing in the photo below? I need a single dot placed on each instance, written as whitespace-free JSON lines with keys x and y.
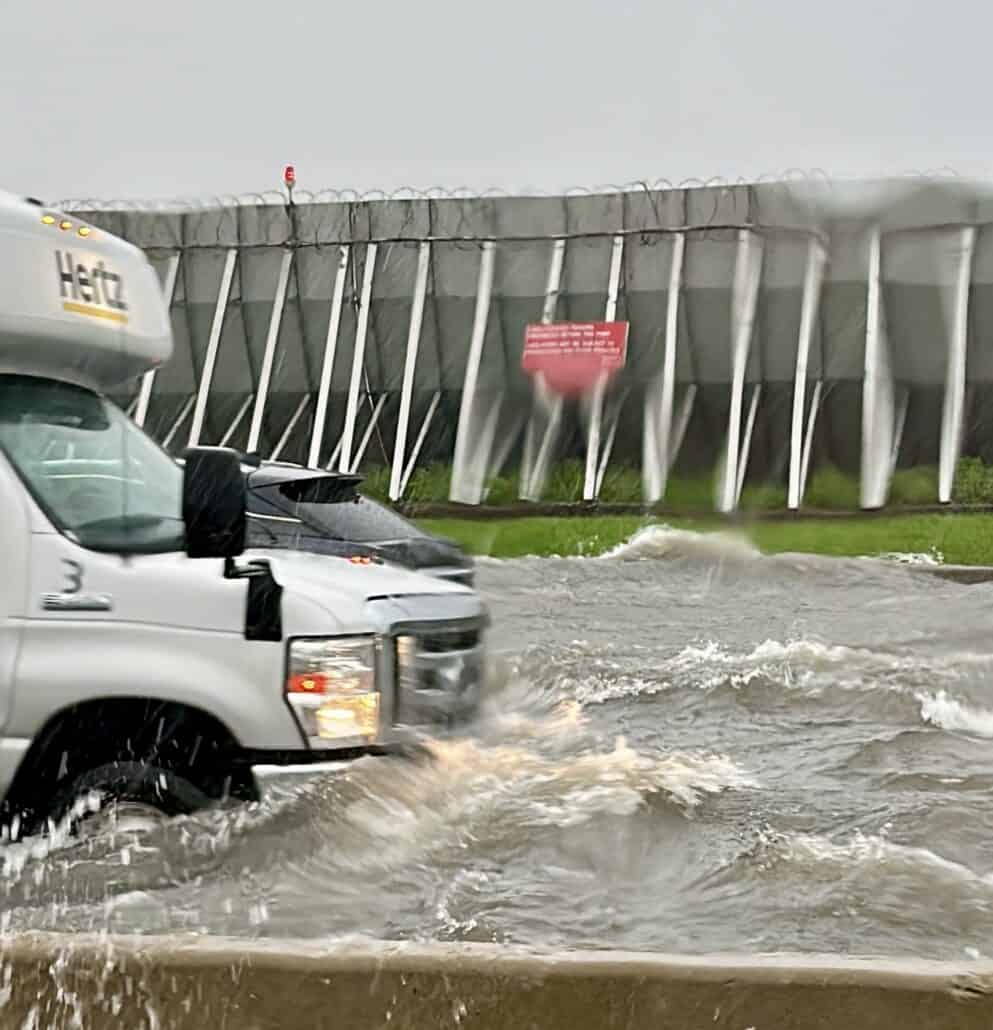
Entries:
{"x":214,"y":502}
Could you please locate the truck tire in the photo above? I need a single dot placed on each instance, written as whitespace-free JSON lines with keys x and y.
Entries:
{"x":129,"y":784}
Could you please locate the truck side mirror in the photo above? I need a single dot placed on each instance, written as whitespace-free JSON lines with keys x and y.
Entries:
{"x":214,"y":502}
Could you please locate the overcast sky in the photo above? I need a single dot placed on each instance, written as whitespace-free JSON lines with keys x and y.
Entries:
{"x":142,"y":99}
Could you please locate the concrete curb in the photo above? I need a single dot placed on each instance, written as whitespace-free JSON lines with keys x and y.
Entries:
{"x":94,"y":983}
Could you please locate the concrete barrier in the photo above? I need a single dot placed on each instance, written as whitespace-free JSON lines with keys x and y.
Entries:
{"x":94,"y":983}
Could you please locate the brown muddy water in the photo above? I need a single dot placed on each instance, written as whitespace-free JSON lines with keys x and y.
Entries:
{"x":696,"y":748}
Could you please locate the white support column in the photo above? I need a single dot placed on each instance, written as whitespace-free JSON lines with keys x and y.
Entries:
{"x":657,"y":446}
{"x":148,"y":379}
{"x":815,"y":405}
{"x":419,"y":442}
{"x":184,"y":412}
{"x":486,"y":440}
{"x":877,"y":390}
{"x":682,"y":423}
{"x":746,"y":443}
{"x":507,"y":439}
{"x":333,"y":460}
{"x":410,"y":367}
{"x":745,"y":290}
{"x":901,"y":421}
{"x":539,"y":472}
{"x":290,"y":426}
{"x":954,"y":406}
{"x":460,"y":489}
{"x":213,"y":344}
{"x":237,"y":420}
{"x":812,"y":282}
{"x":608,"y":446}
{"x":327,"y":365}
{"x":600,"y":388}
{"x":367,"y":435}
{"x":358,"y":357}
{"x":532,"y":468}
{"x":269,"y":357}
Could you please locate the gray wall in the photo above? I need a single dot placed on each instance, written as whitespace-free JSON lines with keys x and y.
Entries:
{"x":920,"y":224}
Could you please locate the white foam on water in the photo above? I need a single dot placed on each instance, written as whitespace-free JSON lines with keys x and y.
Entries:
{"x":946,"y":713}
{"x":808,"y":667}
{"x":864,"y":853}
{"x":665,"y":542}
{"x":817,"y":666}
{"x":932,"y":557}
{"x":470,"y":794}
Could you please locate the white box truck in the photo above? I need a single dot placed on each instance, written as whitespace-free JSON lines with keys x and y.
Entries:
{"x":146,"y":658}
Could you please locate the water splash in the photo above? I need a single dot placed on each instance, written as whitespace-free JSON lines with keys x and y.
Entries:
{"x":946,"y":713}
{"x":665,"y":542}
{"x":931,"y":557}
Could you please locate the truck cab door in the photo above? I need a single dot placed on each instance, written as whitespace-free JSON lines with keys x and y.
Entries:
{"x":15,"y":547}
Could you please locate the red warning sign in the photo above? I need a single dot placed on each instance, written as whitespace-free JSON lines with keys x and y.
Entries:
{"x":572,"y":355}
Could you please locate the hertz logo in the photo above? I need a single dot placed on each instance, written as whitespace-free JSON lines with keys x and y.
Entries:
{"x":96,"y":292}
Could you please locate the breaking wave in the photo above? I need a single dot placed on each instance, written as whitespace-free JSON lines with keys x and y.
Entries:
{"x":660,"y":542}
{"x":585,"y":676}
{"x":948,"y":714}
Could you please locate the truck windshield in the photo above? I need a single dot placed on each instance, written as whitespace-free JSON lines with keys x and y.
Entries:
{"x":99,"y":478}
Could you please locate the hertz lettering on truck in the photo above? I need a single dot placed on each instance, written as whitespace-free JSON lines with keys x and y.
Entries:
{"x":96,"y":292}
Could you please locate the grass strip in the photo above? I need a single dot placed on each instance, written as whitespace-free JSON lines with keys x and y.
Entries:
{"x":959,"y":539}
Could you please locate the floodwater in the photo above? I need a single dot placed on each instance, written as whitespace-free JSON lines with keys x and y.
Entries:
{"x":695,"y":748}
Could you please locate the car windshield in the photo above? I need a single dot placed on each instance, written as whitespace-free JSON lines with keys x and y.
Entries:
{"x":360,"y":521}
{"x":363,"y":521}
{"x":95,"y":473}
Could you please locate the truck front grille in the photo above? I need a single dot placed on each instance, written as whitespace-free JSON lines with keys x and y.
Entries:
{"x":439,"y":674}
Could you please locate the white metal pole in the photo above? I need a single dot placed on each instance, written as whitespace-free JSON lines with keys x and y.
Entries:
{"x":877,"y":438}
{"x":815,"y":404}
{"x":410,"y":367}
{"x":600,"y":387}
{"x":327,"y":365}
{"x":419,"y":442}
{"x":608,"y":446}
{"x":148,"y":379}
{"x":268,"y":358}
{"x":236,"y":421}
{"x":484,"y":290}
{"x":543,"y":399}
{"x":901,"y":421}
{"x":290,"y":426}
{"x":358,"y":357}
{"x":954,"y":406}
{"x":184,"y":412}
{"x":746,"y":443}
{"x":808,"y":317}
{"x":367,"y":435}
{"x":682,"y":422}
{"x":658,"y":425}
{"x":747,"y":275}
{"x":213,"y":344}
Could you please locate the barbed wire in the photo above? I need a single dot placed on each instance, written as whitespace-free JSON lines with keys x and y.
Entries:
{"x":788,"y":176}
{"x":462,"y":215}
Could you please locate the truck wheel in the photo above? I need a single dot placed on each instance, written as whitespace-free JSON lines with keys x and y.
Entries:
{"x":132,"y":795}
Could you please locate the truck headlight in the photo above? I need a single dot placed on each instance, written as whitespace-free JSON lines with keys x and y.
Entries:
{"x":331,"y":685}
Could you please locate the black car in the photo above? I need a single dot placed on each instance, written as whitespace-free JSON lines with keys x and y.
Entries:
{"x":315,"y":510}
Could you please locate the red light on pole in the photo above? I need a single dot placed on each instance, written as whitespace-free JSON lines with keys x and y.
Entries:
{"x":290,"y":180}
